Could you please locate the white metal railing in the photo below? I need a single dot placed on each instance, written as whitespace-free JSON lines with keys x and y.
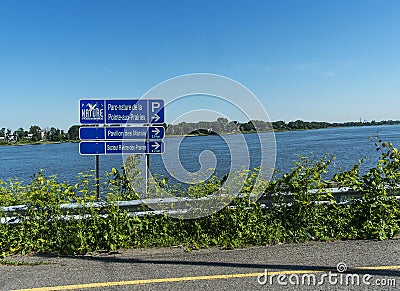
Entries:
{"x":172,"y":205}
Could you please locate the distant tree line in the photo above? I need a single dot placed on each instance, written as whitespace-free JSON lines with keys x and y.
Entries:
{"x":36,"y":134}
{"x":300,"y":124}
{"x":220,"y":126}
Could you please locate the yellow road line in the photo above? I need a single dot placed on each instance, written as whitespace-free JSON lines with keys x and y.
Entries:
{"x":193,"y":278}
{"x":161,"y":280}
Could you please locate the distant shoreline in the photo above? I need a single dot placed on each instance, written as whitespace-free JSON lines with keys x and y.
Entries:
{"x":278,"y":130}
{"x":200,"y":134}
{"x":38,"y":143}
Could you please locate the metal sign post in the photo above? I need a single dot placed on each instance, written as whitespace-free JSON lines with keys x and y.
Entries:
{"x":147,"y":172}
{"x":97,"y":157}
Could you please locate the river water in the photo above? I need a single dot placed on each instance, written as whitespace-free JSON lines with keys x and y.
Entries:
{"x":347,"y":144}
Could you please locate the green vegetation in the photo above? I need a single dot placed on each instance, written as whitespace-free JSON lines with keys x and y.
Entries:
{"x":43,"y":229}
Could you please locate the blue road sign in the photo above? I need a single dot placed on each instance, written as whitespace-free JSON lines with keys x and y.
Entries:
{"x":92,"y":148}
{"x":92,"y":133}
{"x":156,"y":132}
{"x":121,"y":111}
{"x":156,"y":111}
{"x":155,"y":147}
{"x":125,"y":132}
{"x":119,"y":147}
{"x":121,"y":133}
{"x":91,"y":111}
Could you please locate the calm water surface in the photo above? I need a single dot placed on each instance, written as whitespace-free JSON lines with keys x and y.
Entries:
{"x":347,"y":144}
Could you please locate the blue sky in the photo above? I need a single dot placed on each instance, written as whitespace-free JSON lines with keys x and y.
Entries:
{"x":310,"y":60}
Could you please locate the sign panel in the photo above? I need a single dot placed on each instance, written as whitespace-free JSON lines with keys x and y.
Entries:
{"x":121,"y":133}
{"x":91,"y":111}
{"x":92,"y":148}
{"x":156,"y":111}
{"x":155,"y":147}
{"x":126,"y":111}
{"x":119,"y":147}
{"x":125,"y":133}
{"x":121,"y":111}
{"x":92,"y":133}
{"x":156,"y":132}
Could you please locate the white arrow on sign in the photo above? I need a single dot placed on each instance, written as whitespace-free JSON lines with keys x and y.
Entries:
{"x":156,"y":117}
{"x":156,"y":131}
{"x":156,"y":145}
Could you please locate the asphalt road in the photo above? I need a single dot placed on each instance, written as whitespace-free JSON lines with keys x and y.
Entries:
{"x":371,"y":265}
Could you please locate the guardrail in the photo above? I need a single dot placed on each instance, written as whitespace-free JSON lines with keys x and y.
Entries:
{"x":173,"y":205}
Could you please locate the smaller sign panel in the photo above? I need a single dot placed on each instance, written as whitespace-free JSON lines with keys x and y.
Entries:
{"x":121,"y":133}
{"x":91,"y":111}
{"x":91,"y":133}
{"x":126,"y":111}
{"x":92,"y":148}
{"x":155,"y":147}
{"x":126,"y":133}
{"x":119,"y":147}
{"x":156,"y":111}
{"x":156,"y":132}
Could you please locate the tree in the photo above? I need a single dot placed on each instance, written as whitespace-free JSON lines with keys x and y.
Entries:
{"x":298,"y":124}
{"x":54,"y":134}
{"x":64,"y":136}
{"x":73,"y":132}
{"x":20,"y":133}
{"x":222,"y":122}
{"x":185,"y":128}
{"x":280,"y":125}
{"x":262,"y":125}
{"x":35,"y":131}
{"x":232,"y":126}
{"x":247,"y":127}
